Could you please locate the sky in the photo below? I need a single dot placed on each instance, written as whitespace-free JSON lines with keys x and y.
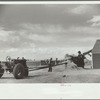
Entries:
{"x":42,"y":31}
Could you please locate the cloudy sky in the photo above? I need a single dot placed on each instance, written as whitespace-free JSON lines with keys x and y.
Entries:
{"x":48,"y":30}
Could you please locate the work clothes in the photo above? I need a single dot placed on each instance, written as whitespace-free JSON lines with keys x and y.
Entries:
{"x":81,"y":60}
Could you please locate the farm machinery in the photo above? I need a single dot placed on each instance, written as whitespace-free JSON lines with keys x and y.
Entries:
{"x":75,"y":59}
{"x":16,"y":66}
{"x":20,"y":67}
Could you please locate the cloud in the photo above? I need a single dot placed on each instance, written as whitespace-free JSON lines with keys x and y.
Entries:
{"x":4,"y":34}
{"x":41,"y":41}
{"x":43,"y":28}
{"x":81,"y":9}
{"x":40,"y":38}
{"x":28,"y":36}
{"x":38,"y":31}
{"x":11,"y":39}
{"x":57,"y":34}
{"x":34,"y":35}
{"x":77,"y":32}
{"x":95,"y":21}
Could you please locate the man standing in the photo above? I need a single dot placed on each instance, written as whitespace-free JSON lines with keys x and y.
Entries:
{"x":80,"y":60}
{"x":50,"y":65}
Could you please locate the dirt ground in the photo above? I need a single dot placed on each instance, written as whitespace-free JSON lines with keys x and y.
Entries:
{"x":59,"y":75}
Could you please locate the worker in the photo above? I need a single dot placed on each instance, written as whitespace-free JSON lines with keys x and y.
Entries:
{"x":50,"y":65}
{"x":80,"y":59}
{"x":56,"y":62}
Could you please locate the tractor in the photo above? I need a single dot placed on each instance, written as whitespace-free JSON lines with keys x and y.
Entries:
{"x":16,"y":66}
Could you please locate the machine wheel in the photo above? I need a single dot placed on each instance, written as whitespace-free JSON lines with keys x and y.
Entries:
{"x":26,"y":72}
{"x":1,"y":72}
{"x":19,"y":71}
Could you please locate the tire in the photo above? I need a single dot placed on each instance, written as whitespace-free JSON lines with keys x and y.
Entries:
{"x":1,"y":72}
{"x":19,"y":71}
{"x":26,"y":72}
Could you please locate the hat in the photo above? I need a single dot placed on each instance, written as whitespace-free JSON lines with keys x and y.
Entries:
{"x":79,"y":51}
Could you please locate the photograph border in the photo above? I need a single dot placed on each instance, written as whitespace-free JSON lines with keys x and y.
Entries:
{"x":50,"y":90}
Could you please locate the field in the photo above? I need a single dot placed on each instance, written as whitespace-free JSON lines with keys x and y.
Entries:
{"x":59,"y":75}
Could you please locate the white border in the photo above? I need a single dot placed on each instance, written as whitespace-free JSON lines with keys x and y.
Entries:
{"x":50,"y":91}
{"x":50,"y":2}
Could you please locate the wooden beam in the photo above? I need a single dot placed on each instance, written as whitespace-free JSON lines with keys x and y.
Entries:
{"x":32,"y":69}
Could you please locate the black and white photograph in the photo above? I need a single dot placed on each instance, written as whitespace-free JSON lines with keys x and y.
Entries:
{"x":49,"y":43}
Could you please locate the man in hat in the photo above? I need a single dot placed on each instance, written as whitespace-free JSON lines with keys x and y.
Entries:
{"x":80,"y":60}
